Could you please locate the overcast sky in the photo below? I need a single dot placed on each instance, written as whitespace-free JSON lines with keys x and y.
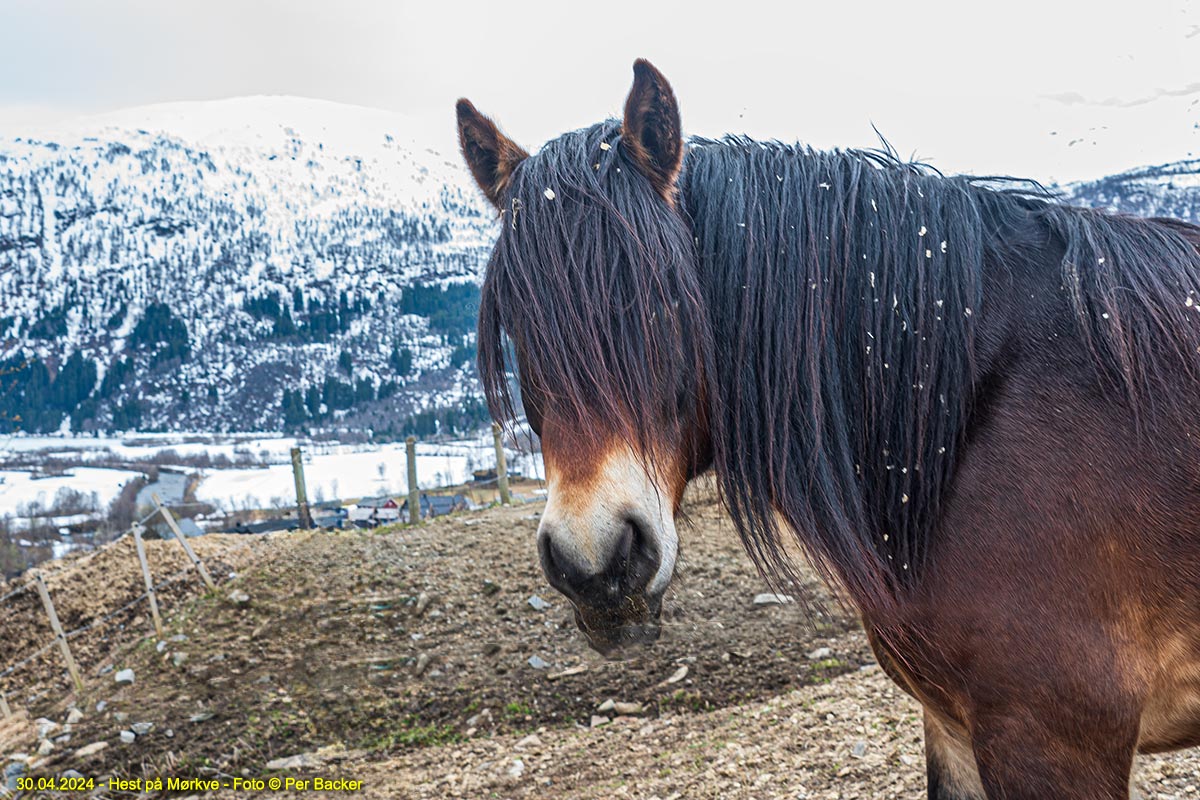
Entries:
{"x":1051,"y":89}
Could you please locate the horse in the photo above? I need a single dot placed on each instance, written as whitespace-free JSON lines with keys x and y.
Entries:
{"x":969,"y":405}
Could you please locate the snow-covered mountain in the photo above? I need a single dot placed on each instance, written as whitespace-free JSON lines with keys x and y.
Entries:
{"x":269,"y":263}
{"x":240,"y":264}
{"x":1168,"y":190}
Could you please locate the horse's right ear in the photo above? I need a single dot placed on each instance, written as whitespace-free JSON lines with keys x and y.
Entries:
{"x":490,"y":154}
{"x":651,"y":128}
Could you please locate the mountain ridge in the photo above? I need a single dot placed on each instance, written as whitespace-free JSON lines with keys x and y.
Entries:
{"x":278,"y":250}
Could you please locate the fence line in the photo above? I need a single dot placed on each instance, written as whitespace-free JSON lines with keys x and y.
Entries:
{"x":19,"y":590}
{"x":59,"y":636}
{"x":148,"y":578}
{"x":62,"y":637}
{"x":183,"y":542}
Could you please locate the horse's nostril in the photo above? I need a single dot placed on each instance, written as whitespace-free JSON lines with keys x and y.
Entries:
{"x":558,"y":570}
{"x":640,"y":556}
{"x":619,"y":565}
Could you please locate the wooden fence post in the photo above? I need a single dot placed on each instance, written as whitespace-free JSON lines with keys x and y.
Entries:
{"x":61,"y":637}
{"x":501,"y":466}
{"x":150,"y":593}
{"x":187,"y":548}
{"x":303,"y":514}
{"x":4,"y":709}
{"x":414,"y":493}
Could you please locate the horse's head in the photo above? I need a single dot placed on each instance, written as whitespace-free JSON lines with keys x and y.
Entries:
{"x":593,"y":281}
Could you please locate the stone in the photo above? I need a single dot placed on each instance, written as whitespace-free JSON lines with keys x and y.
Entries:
{"x":628,"y":709}
{"x":161,"y":646}
{"x":606,"y":706}
{"x":423,"y":600}
{"x":91,"y":749}
{"x":124,"y":677}
{"x":772,"y":599}
{"x":72,"y":775}
{"x":538,"y":604}
{"x":598,"y":720}
{"x":179,"y":659}
{"x":678,"y":675}
{"x":422,"y":663}
{"x":12,"y":773}
{"x":536,"y":662}
{"x":298,"y":761}
{"x":203,"y":716}
{"x":179,"y":637}
{"x":517,"y":769}
{"x":74,"y":717}
{"x":568,"y":672}
{"x":100,"y":706}
{"x":239,"y":598}
{"x":45,"y":748}
{"x":45,"y":727}
{"x":128,"y":737}
{"x":820,"y":654}
{"x":859,"y":750}
{"x":532,"y":740}
{"x":120,"y":716}
{"x":142,"y":728}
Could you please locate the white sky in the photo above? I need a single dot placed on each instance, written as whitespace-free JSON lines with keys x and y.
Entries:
{"x":1050,"y":89}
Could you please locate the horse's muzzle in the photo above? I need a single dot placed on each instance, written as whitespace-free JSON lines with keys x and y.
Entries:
{"x":610,"y":631}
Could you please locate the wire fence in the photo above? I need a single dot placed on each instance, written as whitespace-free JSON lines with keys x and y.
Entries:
{"x":63,"y":638}
{"x":103,"y":621}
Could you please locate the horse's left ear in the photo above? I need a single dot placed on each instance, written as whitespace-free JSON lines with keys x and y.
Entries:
{"x":651,"y":129}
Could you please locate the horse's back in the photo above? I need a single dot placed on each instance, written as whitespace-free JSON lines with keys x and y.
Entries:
{"x":1066,"y":566}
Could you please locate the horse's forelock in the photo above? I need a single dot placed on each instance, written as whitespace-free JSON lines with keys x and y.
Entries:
{"x":593,"y":280}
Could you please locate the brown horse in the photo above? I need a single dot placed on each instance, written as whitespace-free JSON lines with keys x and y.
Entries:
{"x":971,"y":406}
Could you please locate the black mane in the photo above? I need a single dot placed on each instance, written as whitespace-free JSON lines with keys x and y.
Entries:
{"x":831,"y":302}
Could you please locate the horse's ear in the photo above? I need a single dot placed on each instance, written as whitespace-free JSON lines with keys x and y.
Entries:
{"x":490,"y":154}
{"x":651,"y":129}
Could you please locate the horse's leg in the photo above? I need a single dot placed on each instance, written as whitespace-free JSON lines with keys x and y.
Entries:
{"x":950,"y":763}
{"x":1023,"y":756}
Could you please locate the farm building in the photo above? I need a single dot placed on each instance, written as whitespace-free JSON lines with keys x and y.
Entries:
{"x":439,"y":505}
{"x":374,"y":511}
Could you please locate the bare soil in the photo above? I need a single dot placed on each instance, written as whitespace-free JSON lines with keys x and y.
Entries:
{"x":401,"y":658}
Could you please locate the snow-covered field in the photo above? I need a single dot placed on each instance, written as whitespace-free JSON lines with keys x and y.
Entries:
{"x":20,"y":490}
{"x":147,"y":445}
{"x":348,"y":473}
{"x":332,"y":471}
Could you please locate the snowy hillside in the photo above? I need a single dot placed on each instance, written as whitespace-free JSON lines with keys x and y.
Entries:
{"x":253,"y":263}
{"x":1168,"y":190}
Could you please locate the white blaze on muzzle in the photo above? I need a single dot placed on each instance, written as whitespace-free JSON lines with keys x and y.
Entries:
{"x":585,"y":521}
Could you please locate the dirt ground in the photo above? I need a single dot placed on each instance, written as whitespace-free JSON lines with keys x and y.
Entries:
{"x":414,"y":661}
